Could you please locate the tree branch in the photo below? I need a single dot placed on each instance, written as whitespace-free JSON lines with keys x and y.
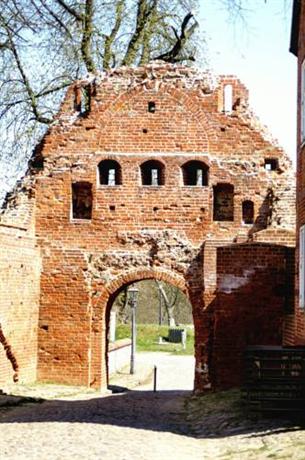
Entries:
{"x":144,"y":12}
{"x":26,"y":82}
{"x":87,"y":37}
{"x":111,"y":37}
{"x":69,"y":9}
{"x":185,"y":34}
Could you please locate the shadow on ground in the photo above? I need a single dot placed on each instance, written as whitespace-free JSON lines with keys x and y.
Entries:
{"x":214,"y":415}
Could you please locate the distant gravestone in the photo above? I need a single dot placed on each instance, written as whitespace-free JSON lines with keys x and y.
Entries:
{"x":177,"y":335}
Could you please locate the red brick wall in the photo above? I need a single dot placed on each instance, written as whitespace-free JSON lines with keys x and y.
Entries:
{"x":141,"y":231}
{"x":19,"y":301}
{"x":248,"y":309}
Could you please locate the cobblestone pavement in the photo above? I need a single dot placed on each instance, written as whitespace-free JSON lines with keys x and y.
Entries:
{"x":141,"y":425}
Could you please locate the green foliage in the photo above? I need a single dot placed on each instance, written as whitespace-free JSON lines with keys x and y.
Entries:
{"x":148,"y":339}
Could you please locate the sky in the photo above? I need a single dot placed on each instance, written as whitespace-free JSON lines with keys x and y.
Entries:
{"x":256,"y":49}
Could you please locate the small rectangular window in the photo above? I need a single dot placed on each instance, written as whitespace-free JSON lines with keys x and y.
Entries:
{"x":271,"y":164}
{"x":223,"y":209}
{"x":152,"y":107}
{"x":81,"y":200}
{"x":302,"y":268}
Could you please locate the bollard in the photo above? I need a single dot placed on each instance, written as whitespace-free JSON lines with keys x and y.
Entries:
{"x":183,"y":337}
{"x":155,"y":378}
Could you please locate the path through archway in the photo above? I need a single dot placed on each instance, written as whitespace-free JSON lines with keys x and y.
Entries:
{"x":164,"y":337}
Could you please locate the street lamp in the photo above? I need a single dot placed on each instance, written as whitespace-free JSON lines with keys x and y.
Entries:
{"x":133,"y":300}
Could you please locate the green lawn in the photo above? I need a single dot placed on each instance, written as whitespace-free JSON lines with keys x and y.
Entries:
{"x":148,"y":338}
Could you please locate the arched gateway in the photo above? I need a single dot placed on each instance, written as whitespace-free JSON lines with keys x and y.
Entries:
{"x":125,"y":280}
{"x":125,"y":193}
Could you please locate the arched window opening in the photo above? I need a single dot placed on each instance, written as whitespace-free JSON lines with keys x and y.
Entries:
{"x":110,"y":173}
{"x":153,"y":173}
{"x":223,"y":209}
{"x":248,"y":212}
{"x":81,"y":200}
{"x":195,"y":173}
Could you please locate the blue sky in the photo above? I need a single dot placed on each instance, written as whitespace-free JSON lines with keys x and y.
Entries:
{"x":256,"y":50}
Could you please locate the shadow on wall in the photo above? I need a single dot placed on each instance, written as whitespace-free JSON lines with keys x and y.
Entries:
{"x":252,"y":296}
{"x":265,"y":213}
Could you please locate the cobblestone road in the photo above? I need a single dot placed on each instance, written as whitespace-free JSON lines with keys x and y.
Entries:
{"x":142,"y":425}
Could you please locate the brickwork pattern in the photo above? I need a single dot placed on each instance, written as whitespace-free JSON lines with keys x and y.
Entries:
{"x":19,"y":302}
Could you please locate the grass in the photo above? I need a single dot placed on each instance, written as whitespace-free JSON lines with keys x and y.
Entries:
{"x":148,"y":339}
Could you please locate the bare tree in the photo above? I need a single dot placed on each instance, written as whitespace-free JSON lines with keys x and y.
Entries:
{"x":170,"y":295}
{"x":47,"y":44}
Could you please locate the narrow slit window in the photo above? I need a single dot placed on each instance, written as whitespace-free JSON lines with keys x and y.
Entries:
{"x":110,"y":173}
{"x":153,"y":173}
{"x":195,"y":173}
{"x":248,"y":212}
{"x":223,"y":207}
{"x":82,"y":200}
{"x":227,"y":98}
{"x":83,"y":100}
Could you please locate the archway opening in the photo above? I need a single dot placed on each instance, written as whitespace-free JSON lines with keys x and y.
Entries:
{"x":150,"y":337}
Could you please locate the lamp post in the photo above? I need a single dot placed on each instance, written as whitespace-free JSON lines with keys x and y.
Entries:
{"x":133,"y":299}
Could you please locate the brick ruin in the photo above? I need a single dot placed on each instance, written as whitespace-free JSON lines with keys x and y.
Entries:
{"x":159,"y":172}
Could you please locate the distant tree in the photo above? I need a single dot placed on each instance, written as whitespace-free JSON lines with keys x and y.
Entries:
{"x":169,"y":295}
